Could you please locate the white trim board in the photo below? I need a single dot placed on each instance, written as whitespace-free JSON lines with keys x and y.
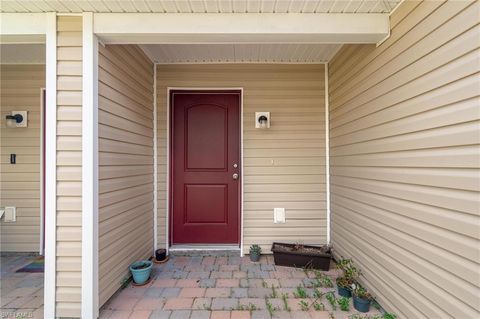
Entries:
{"x":155,"y":162}
{"x":242,"y":185}
{"x":42,"y":172}
{"x":144,"y":28}
{"x":90,"y":296}
{"x":167,"y":198}
{"x":167,"y":232}
{"x":327,"y":155}
{"x":50,"y":166}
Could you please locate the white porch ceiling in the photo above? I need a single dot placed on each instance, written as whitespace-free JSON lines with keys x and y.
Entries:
{"x":240,"y":53}
{"x":202,"y":6}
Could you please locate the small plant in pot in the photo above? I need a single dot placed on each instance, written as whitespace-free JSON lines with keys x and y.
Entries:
{"x":361,"y":298}
{"x":255,"y":252}
{"x":343,"y":287}
{"x":349,"y":277}
{"x":141,"y":271}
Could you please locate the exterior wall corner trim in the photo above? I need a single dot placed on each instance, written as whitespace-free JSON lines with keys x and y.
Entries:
{"x":89,"y":306}
{"x":50,"y":165}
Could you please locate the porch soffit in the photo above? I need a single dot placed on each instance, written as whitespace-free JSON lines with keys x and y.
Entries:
{"x":202,"y":6}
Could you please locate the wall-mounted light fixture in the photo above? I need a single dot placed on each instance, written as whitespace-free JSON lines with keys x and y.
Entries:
{"x":262,"y":120}
{"x":16,"y":119}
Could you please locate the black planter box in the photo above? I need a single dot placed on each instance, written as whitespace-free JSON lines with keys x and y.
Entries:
{"x":317,"y":259}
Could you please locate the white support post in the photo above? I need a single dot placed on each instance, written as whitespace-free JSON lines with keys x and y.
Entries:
{"x":327,"y":154}
{"x":155,"y":162}
{"x":90,"y":170}
{"x":50,"y":165}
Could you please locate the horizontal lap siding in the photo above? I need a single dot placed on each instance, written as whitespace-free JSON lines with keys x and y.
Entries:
{"x":404,"y":138}
{"x":69,"y":166}
{"x":126,"y":163}
{"x":294,"y":94}
{"x":20,"y":183}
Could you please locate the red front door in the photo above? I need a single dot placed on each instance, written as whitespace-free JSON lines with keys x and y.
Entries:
{"x":205,"y":167}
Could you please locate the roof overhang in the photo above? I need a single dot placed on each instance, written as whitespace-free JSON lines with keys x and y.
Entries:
{"x":240,"y":28}
{"x":23,"y":27}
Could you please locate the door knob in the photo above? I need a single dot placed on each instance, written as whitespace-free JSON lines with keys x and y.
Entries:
{"x":235,"y":176}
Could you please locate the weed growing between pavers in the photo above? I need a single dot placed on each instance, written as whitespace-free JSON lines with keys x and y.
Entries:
{"x":270,"y":308}
{"x":344,"y":303}
{"x":331,"y":299}
{"x":274,"y":293}
{"x":304,"y":305}
{"x":285,"y":302}
{"x":300,"y":293}
{"x":318,"y":306}
{"x":323,"y":280}
{"x":125,"y":281}
{"x":317,"y":294}
{"x":251,"y":307}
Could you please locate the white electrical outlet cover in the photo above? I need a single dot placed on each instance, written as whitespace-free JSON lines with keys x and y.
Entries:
{"x":10,"y":214}
{"x":279,"y":215}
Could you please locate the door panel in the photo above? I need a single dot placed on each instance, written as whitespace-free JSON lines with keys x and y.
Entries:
{"x":205,"y":147}
{"x":206,"y":132}
{"x":206,"y":204}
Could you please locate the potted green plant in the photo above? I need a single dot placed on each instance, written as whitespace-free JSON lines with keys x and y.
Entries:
{"x":141,"y":271}
{"x":348,"y":278}
{"x":361,"y":298}
{"x":255,"y":252}
{"x":343,"y":287}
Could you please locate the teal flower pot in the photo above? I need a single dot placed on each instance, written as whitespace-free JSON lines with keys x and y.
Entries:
{"x":344,"y":292}
{"x":141,"y":271}
{"x":362,"y":305}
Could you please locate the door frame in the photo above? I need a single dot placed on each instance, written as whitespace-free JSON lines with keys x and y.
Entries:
{"x":169,"y":179}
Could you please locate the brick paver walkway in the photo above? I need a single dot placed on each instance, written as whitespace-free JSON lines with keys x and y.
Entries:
{"x":21,"y":293}
{"x":217,"y":287}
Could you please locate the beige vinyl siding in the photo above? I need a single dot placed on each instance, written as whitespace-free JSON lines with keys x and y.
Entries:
{"x":294,"y":94}
{"x":404,"y":119}
{"x":69,"y":166}
{"x":125,"y":163}
{"x":20,"y":183}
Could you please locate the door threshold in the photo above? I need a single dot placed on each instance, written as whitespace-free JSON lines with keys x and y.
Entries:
{"x":203,"y":247}
{"x":204,"y":250}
